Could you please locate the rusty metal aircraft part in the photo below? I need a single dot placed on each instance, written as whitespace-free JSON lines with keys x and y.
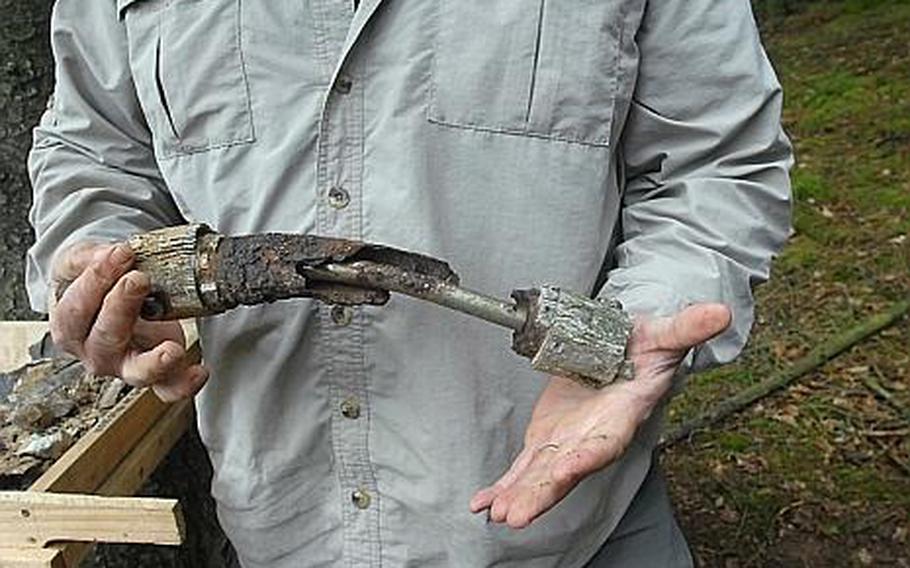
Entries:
{"x":197,"y":272}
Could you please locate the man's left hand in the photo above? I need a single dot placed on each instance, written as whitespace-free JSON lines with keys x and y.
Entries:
{"x":575,"y":431}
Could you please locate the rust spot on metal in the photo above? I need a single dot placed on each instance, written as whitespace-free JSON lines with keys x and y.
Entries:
{"x":527,"y":341}
{"x":343,"y":295}
{"x":263,"y":268}
{"x":408,"y":263}
{"x":370,"y":274}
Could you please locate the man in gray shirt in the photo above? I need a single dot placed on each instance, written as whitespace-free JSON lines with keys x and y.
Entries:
{"x":525,"y":142}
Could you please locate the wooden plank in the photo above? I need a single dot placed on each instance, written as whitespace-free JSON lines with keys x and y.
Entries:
{"x":132,"y":472}
{"x":85,"y":466}
{"x":15,"y":339}
{"x":90,"y":461}
{"x":136,"y":467}
{"x":31,"y":558}
{"x":33,"y":519}
{"x":117,"y":456}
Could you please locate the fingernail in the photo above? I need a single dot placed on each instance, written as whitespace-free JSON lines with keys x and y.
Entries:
{"x":122,"y":254}
{"x":131,"y":285}
{"x":137,"y":283}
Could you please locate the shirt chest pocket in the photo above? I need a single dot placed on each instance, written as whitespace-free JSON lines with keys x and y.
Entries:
{"x":544,"y":68}
{"x":187,"y":65}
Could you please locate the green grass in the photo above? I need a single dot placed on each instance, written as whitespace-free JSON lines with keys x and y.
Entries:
{"x":734,"y":442}
{"x":809,"y":185}
{"x":831,"y":98}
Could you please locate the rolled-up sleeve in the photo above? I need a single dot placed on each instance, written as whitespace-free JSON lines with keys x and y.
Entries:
{"x":706,"y":201}
{"x":92,"y":167}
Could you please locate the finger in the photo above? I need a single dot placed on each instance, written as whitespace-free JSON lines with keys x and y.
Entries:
{"x":534,"y":491}
{"x":147,"y":334}
{"x":483,"y":498}
{"x":492,"y":498}
{"x":144,"y":368}
{"x":183,"y":384}
{"x":692,"y":326}
{"x":549,"y":480}
{"x":531,"y":498}
{"x":112,"y":333}
{"x":530,"y":505}
{"x":73,"y":315}
{"x":499,"y":508}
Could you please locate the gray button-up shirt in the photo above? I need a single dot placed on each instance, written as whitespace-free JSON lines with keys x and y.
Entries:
{"x":511,"y":138}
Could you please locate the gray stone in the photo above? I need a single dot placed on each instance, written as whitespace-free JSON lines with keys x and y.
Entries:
{"x":46,"y":446}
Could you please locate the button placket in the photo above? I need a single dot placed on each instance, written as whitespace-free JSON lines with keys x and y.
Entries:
{"x":339,"y":174}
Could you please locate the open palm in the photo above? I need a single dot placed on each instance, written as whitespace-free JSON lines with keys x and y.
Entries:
{"x":575,"y":431}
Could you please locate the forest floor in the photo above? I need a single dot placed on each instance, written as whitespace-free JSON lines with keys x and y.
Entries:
{"x":819,"y":474}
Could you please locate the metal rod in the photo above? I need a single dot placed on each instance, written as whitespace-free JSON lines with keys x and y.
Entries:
{"x":423,"y":287}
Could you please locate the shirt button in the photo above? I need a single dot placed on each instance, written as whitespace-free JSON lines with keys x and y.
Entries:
{"x":343,"y":84}
{"x":339,"y":198}
{"x":350,"y":408}
{"x":342,"y":315}
{"x":361,"y":498}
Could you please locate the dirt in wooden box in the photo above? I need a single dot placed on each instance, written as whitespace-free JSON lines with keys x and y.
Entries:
{"x":45,"y":406}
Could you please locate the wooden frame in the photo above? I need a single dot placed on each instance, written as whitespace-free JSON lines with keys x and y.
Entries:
{"x":73,"y":496}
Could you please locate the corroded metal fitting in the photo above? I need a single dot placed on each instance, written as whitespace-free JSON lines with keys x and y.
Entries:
{"x":195,"y":272}
{"x":171,"y":257}
{"x":573,"y":336}
{"x":198,"y":272}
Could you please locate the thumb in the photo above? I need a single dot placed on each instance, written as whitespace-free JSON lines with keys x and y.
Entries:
{"x":692,"y":326}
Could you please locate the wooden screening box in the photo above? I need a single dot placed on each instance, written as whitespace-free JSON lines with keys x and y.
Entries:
{"x":83,"y":497}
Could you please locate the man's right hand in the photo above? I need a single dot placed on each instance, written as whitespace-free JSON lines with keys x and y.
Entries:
{"x":97,"y":319}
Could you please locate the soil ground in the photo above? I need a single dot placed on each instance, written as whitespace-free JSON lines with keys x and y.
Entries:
{"x":818,"y":475}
